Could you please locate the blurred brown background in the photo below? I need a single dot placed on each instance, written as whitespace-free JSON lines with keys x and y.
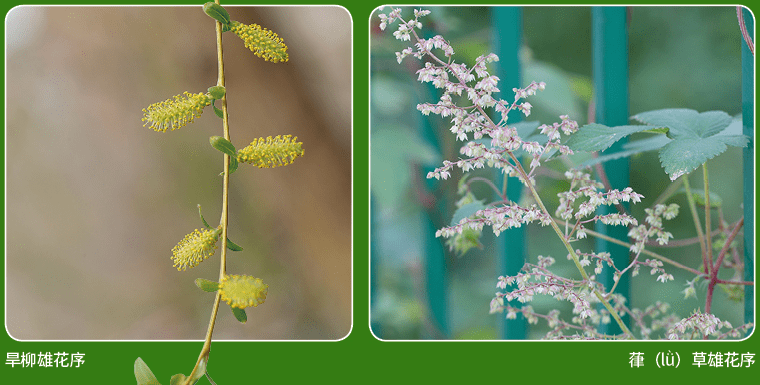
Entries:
{"x":95,"y":201}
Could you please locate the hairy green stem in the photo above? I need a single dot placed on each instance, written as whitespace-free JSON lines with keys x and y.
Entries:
{"x":570,"y":249}
{"x":707,"y":215}
{"x":697,"y":224}
{"x":225,"y":209}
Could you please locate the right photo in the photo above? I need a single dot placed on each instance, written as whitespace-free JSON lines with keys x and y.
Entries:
{"x":562,"y":173}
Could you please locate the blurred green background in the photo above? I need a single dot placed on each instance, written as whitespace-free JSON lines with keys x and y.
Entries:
{"x":95,"y":201}
{"x":680,"y":57}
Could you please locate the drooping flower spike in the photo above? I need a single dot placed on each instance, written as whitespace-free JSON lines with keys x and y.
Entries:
{"x":261,"y":41}
{"x":177,"y":113}
{"x":271,"y":152}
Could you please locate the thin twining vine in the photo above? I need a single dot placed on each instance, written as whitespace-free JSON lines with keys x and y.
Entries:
{"x":238,"y":291}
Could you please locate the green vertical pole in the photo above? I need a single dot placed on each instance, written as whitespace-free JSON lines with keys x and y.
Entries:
{"x":748,"y":123}
{"x":434,"y":253}
{"x":610,"y":73}
{"x":510,"y":246}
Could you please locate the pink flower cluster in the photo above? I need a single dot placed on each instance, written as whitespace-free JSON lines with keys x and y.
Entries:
{"x":500,"y":218}
{"x":704,"y":324}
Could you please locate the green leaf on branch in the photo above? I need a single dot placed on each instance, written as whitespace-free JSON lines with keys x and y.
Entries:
{"x":217,"y":92}
{"x":697,"y":137}
{"x":202,"y":218}
{"x":217,"y":111}
{"x":630,"y":149}
{"x":462,"y":243}
{"x":207,"y":285}
{"x":201,"y":371}
{"x":143,"y":374}
{"x":178,"y":379}
{"x":239,"y":314}
{"x":217,"y":12}
{"x":232,"y":246}
{"x":233,"y":164}
{"x":223,"y":145}
{"x":598,"y":137}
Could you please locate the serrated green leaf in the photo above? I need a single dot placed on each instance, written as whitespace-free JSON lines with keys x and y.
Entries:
{"x":207,"y":285}
{"x":686,"y":123}
{"x":232,"y":246}
{"x":467,"y":211}
{"x":217,"y":12}
{"x":143,"y":374}
{"x":696,"y":136}
{"x":223,"y":145}
{"x":684,"y":155}
{"x":699,"y":197}
{"x":598,"y":137}
{"x":239,"y":314}
{"x":657,"y":130}
{"x":178,"y":379}
{"x":630,"y":149}
{"x":200,"y":213}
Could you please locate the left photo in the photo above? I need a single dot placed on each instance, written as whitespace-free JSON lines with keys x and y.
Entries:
{"x":173,"y":171}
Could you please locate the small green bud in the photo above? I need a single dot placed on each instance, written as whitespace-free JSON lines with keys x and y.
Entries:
{"x":217,"y":92}
{"x":216,"y":12}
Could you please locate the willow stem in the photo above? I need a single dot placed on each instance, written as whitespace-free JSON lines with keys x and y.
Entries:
{"x":225,"y":209}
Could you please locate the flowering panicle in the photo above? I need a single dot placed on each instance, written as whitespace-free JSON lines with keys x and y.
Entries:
{"x":242,"y":291}
{"x":537,"y":279}
{"x":177,"y":113}
{"x":499,"y":218}
{"x":261,"y":41}
{"x":271,"y":152}
{"x":698,"y":325}
{"x":195,"y":247}
{"x":488,"y":140}
{"x":582,"y":186}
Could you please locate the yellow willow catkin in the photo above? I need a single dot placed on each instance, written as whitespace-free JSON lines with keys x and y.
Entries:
{"x":271,"y":152}
{"x":177,"y":113}
{"x":194,"y":248}
{"x":242,"y":291}
{"x":263,"y":42}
